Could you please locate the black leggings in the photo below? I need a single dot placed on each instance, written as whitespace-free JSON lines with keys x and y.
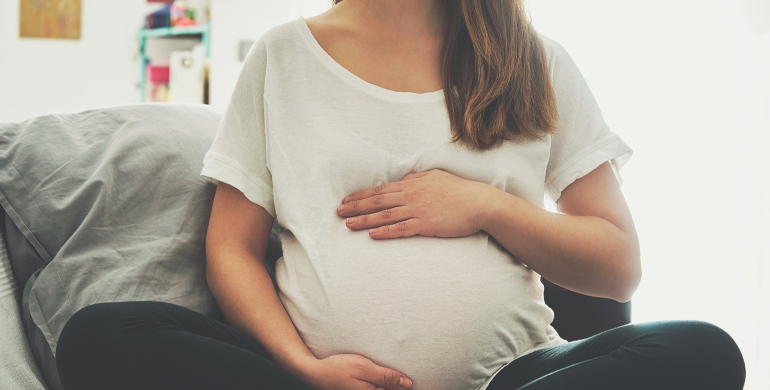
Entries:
{"x":154,"y":345}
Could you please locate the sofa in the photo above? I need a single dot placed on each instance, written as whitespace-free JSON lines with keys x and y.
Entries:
{"x":107,"y":205}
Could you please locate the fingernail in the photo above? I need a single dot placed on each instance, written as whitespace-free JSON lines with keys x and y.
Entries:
{"x":351,"y":220}
{"x":405,"y":383}
{"x":343,"y":207}
{"x":346,"y":200}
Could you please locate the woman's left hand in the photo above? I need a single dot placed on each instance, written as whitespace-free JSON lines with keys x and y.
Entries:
{"x":430,"y":203}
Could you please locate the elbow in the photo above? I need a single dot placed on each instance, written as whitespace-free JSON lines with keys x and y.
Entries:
{"x":631,"y":279}
{"x":629,"y":271}
{"x":625,"y":293}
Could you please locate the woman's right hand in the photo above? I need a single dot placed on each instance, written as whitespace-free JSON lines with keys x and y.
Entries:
{"x":353,"y":372}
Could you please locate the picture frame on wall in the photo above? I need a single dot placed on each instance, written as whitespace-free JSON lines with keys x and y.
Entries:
{"x":57,"y":19}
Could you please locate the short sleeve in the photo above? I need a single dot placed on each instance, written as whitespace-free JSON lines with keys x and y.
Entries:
{"x":239,"y":154}
{"x":582,"y":141}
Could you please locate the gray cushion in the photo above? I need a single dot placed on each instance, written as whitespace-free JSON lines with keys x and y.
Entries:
{"x":24,"y":259}
{"x":111,"y":199}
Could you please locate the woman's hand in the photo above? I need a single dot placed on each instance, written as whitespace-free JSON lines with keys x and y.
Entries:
{"x":353,"y":372}
{"x":430,"y":203}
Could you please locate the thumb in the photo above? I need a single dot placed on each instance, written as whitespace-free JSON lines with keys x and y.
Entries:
{"x":387,"y":378}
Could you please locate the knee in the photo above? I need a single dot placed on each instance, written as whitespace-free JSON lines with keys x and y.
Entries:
{"x":86,"y":330}
{"x":97,"y":336}
{"x":77,"y":347}
{"x":704,"y":336}
{"x":85,"y":325}
{"x":712,"y":349}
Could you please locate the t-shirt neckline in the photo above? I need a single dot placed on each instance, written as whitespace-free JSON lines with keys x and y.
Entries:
{"x":356,"y":81}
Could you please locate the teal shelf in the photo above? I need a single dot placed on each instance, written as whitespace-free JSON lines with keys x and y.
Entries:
{"x":168,"y":31}
{"x":199,"y":29}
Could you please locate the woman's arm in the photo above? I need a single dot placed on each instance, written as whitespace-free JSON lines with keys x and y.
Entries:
{"x":591,"y":249}
{"x":236,"y":244}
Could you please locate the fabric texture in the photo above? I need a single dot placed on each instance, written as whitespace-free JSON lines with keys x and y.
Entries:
{"x":25,"y":259}
{"x":17,"y":366}
{"x":301,"y":133}
{"x":102,"y":347}
{"x":660,"y":355}
{"x":111,"y":199}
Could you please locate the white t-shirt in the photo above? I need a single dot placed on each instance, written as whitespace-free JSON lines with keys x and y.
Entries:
{"x":301,"y":132}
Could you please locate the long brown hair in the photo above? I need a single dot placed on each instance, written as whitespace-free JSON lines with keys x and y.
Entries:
{"x":496,"y":81}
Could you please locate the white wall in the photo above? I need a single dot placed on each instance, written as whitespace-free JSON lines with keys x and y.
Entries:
{"x":686,"y":84}
{"x":40,"y":76}
{"x":233,"y":21}
{"x":236,"y":20}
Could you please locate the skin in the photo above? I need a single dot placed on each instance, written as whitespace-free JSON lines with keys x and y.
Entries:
{"x":589,"y":247}
{"x":392,"y":44}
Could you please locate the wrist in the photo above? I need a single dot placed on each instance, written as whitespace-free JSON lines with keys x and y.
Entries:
{"x":487,"y":203}
{"x":304,"y":368}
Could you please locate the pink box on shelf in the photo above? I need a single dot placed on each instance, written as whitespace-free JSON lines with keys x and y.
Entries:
{"x":158,"y":74}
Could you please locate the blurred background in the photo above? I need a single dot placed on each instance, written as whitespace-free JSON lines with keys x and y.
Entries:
{"x":685,"y":83}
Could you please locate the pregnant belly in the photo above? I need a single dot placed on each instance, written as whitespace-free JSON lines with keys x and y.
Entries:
{"x":445,"y":312}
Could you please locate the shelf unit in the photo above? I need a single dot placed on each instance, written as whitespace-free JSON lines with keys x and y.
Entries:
{"x":201,"y":30}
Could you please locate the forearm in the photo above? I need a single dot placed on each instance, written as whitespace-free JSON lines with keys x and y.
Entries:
{"x":247,"y":297}
{"x":585,"y":254}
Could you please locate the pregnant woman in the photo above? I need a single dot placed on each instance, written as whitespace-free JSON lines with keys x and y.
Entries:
{"x":407,"y":147}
